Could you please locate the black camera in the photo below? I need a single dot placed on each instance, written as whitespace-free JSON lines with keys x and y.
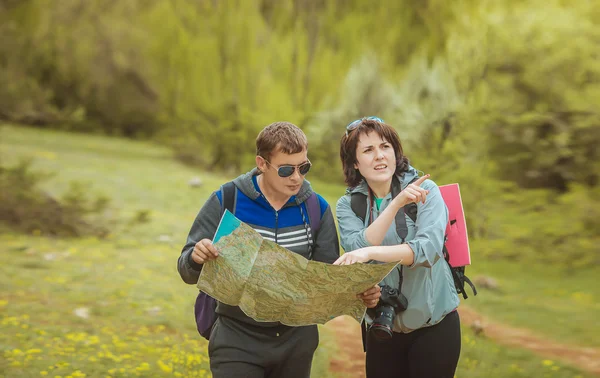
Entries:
{"x":392,"y":301}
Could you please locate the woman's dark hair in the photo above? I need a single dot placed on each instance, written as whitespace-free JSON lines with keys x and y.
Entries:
{"x":349,"y":142}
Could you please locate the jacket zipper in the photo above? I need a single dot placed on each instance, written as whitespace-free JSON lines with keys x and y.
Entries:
{"x":276,"y":224}
{"x":276,"y":216}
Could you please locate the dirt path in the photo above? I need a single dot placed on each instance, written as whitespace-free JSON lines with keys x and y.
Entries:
{"x":587,"y":359}
{"x":349,"y":362}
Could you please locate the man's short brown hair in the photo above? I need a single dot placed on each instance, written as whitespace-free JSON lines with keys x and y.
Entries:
{"x":280,"y":136}
{"x":349,"y":143}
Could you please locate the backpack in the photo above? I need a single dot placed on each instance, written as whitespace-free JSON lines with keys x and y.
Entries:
{"x":358,"y":204}
{"x":205,"y":306}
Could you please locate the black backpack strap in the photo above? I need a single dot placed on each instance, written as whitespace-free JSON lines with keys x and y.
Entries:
{"x":313,"y":207}
{"x":458,"y":274}
{"x":458,"y":282}
{"x":467,"y":280}
{"x":410,"y":209}
{"x":401,"y":226}
{"x":228,"y":196}
{"x":358,"y":203}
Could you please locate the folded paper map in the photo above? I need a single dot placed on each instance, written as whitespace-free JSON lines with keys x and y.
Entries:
{"x":270,"y":283}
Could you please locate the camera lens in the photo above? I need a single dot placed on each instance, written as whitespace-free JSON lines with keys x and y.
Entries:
{"x":382,"y":325}
{"x":381,"y":332}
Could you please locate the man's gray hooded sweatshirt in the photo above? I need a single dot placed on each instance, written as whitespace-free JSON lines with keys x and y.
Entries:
{"x":427,"y":283}
{"x":289,"y":227}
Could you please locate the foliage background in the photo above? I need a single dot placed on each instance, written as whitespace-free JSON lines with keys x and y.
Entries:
{"x":501,"y":97}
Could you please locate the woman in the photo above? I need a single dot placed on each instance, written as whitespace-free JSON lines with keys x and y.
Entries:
{"x":422,"y":335}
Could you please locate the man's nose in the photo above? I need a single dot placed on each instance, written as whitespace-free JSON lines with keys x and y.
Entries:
{"x":296,"y":175}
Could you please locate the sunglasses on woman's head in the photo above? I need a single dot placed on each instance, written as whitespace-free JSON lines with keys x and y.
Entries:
{"x":354,"y":124}
{"x":288,"y":170}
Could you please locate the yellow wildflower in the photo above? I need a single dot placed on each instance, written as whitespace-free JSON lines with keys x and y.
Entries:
{"x":164,"y":367}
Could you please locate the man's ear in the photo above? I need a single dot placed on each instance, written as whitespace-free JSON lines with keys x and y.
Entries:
{"x":261,"y":164}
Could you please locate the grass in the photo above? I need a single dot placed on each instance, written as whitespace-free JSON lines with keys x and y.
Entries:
{"x":559,"y":305}
{"x":140,"y":320}
{"x":482,"y":358}
{"x":140,"y":312}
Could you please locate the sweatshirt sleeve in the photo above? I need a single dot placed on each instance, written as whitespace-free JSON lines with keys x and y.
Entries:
{"x":204,"y":227}
{"x":352,"y":228}
{"x":432,"y":218}
{"x":327,"y":248}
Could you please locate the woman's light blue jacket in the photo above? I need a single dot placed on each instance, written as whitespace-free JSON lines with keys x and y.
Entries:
{"x":427,"y":283}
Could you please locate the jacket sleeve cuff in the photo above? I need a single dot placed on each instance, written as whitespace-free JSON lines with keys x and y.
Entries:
{"x":362,"y":239}
{"x":194,"y":265}
{"x":413,"y":247}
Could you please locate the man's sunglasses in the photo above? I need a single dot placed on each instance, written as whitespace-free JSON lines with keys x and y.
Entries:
{"x":354,"y":124}
{"x":288,"y":170}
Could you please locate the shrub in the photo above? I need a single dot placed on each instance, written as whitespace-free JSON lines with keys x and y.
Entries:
{"x":27,"y":208}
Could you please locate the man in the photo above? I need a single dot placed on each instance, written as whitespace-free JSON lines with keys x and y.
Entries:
{"x":271,"y":199}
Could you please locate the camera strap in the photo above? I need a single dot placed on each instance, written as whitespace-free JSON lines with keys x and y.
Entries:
{"x":370,"y":203}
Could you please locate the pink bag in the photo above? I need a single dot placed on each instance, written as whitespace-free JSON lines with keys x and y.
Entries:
{"x":457,"y":241}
